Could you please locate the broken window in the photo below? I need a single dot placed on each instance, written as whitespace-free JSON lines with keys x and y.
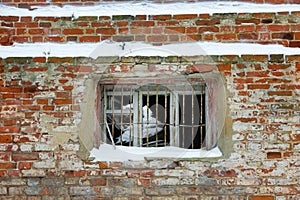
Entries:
{"x":151,"y":113}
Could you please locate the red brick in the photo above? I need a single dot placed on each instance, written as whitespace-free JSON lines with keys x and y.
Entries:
{"x":207,"y":22}
{"x":258,"y":74}
{"x":278,"y":27}
{"x":4,"y":40}
{"x":5,"y":156}
{"x":185,"y":16}
{"x":39,"y":59}
{"x":24,"y":165}
{"x":45,"y":24}
{"x":157,"y":38}
{"x":142,"y":23}
{"x":278,"y":66}
{"x":48,"y":108}
{"x":45,"y":18}
{"x":9,"y":129}
{"x":11,"y":89}
{"x":5,"y":139}
{"x":83,"y":69}
{"x":224,"y":67}
{"x":62,"y":101}
{"x":255,"y":58}
{"x":294,"y":43}
{"x":73,"y":31}
{"x":244,"y":28}
{"x":101,"y":24}
{"x":208,"y":29}
{"x":202,"y":68}
{"x":89,"y":31}
{"x":54,"y":39}
{"x":246,"y":120}
{"x":9,"y":122}
{"x":35,"y":69}
{"x":7,"y":165}
{"x":263,"y":15}
{"x":280,"y":93}
{"x":27,"y":24}
{"x":89,"y":39}
{"x":229,"y":36}
{"x":80,"y":173}
{"x":97,"y":181}
{"x":168,"y":23}
{"x":42,"y":101}
{"x":106,"y":31}
{"x":19,"y":156}
{"x":26,"y":19}
{"x":174,"y":30}
{"x":258,"y":86}
{"x":160,"y":17}
{"x":37,"y":31}
{"x":247,"y":36}
{"x":273,"y":155}
{"x":8,"y":96}
{"x":21,"y":39}
{"x":262,"y":197}
{"x":247,"y":21}
{"x":9,"y":18}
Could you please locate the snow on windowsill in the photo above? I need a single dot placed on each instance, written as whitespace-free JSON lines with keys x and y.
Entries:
{"x":108,"y":48}
{"x":147,"y":8}
{"x":107,"y":152}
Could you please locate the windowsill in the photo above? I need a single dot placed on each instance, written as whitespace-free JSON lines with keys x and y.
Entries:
{"x":107,"y":152}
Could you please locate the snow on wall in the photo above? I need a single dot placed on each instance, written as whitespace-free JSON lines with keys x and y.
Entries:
{"x":147,"y":8}
{"x":108,"y":48}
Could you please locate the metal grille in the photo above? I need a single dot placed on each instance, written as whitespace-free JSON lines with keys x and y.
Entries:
{"x":154,"y":115}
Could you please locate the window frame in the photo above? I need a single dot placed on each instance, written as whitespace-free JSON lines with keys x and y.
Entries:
{"x":211,"y":140}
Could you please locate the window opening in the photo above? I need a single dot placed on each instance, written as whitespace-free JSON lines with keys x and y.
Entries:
{"x":154,"y":115}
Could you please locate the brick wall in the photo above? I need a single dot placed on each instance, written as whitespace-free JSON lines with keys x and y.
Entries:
{"x":280,"y":28}
{"x":40,"y":109}
{"x":40,"y":100}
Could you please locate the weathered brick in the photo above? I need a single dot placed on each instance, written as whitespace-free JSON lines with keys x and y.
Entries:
{"x":20,"y":156}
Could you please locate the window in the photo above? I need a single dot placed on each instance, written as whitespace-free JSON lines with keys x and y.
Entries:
{"x":158,"y":113}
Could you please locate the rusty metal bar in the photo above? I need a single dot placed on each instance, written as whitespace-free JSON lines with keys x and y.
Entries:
{"x":148,"y":94}
{"x":193,"y":115}
{"x":130,"y":117}
{"x":121,"y":120}
{"x":165,"y":118}
{"x":113,"y":115}
{"x":156,"y":109}
{"x":183,"y":118}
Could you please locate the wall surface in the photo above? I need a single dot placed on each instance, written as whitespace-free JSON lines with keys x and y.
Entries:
{"x":43,"y":151}
{"x":40,"y":111}
{"x":265,"y":28}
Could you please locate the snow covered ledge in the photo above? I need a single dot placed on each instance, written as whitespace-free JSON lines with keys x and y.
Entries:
{"x":108,"y":48}
{"x":122,"y":153}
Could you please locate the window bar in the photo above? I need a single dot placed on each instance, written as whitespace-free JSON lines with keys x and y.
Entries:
{"x":176,"y":115}
{"x":183,"y":118}
{"x":136,"y":118}
{"x":201,"y":113}
{"x":165,"y":119}
{"x":130,"y":117}
{"x":173,"y":119}
{"x":104,"y":117}
{"x":147,"y":127}
{"x":156,"y":110}
{"x":113,"y":115}
{"x":121,"y":120}
{"x":193,"y":117}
